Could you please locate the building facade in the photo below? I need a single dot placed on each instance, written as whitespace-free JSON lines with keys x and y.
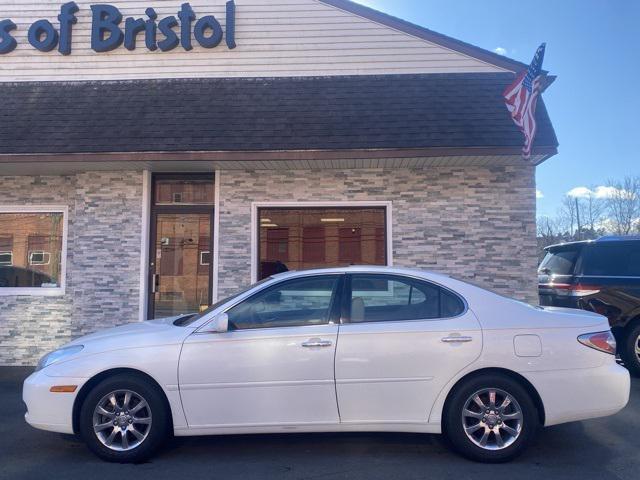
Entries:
{"x":147,"y":173}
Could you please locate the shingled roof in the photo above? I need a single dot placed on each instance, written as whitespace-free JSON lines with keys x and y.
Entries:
{"x":275,"y":114}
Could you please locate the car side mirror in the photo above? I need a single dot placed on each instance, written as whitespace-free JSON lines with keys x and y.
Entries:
{"x":220,"y":324}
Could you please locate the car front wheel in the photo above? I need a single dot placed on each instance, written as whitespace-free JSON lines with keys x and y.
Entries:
{"x":490,"y":418}
{"x":124,"y":419}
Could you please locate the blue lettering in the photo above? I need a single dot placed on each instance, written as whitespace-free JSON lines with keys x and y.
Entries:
{"x":43,"y":36}
{"x":109,"y":30}
{"x":231,"y":25}
{"x":132,"y":26}
{"x":171,"y":39}
{"x":67,"y":19}
{"x":186,"y":16}
{"x":106,"y":19}
{"x":7,"y":42}
{"x":208,"y":23}
{"x":151,"y":29}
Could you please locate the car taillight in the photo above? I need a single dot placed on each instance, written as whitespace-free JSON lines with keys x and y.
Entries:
{"x":570,"y":290}
{"x":602,"y":341}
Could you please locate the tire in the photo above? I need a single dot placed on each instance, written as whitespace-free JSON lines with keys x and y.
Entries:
{"x":629,"y":353}
{"x":478,"y":421}
{"x":146,"y":413}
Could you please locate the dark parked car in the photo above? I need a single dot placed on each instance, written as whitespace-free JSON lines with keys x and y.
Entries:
{"x":602,"y":276}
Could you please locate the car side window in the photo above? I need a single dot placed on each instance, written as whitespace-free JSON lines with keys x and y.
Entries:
{"x":616,"y":259}
{"x":298,"y":302}
{"x":388,"y":298}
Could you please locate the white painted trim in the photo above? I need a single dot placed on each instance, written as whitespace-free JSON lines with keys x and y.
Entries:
{"x":216,"y":236}
{"x":34,"y":291}
{"x":145,"y":223}
{"x":388,"y":205}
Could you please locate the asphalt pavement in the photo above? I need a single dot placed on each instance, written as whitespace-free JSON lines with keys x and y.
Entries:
{"x":602,"y":449}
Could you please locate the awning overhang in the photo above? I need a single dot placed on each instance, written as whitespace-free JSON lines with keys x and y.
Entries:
{"x":304,"y":122}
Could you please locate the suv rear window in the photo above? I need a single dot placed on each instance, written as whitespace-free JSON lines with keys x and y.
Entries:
{"x":559,"y":262}
{"x":613,"y":260}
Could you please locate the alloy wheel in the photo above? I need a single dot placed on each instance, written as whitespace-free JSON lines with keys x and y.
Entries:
{"x":492,"y":419}
{"x":122,"y":420}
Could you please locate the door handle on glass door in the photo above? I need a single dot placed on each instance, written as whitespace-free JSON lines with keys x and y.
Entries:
{"x":457,"y":339}
{"x":317,"y":342}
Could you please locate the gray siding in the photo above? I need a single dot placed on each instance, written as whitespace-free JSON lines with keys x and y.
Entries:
{"x":283,"y":38}
{"x":103,"y":262}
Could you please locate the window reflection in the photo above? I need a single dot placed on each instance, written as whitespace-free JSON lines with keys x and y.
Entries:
{"x":184,"y":192}
{"x":30,"y":249}
{"x":304,"y":238}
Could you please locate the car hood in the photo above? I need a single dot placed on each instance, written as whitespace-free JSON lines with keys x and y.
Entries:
{"x":137,"y":334}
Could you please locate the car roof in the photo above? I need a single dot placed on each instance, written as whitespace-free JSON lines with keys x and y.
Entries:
{"x":605,"y":239}
{"x":360,"y":269}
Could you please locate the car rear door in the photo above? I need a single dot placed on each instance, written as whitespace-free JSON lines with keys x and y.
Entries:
{"x":274,"y":367}
{"x":404,"y":340}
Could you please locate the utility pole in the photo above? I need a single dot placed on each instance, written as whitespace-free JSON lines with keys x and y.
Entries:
{"x":578,"y":219}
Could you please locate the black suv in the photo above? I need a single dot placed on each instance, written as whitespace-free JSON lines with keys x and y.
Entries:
{"x":602,"y":276}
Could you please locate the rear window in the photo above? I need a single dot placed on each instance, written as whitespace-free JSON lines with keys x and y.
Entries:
{"x":559,"y":262}
{"x":613,"y":260}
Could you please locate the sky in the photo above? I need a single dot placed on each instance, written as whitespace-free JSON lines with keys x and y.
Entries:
{"x":593,"y":46}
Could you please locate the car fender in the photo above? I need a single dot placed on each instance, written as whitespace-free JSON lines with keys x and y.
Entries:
{"x":158,"y":362}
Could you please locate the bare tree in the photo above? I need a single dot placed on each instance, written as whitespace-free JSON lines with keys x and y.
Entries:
{"x":567,"y":215}
{"x":623,"y":204}
{"x":547,"y":227}
{"x":548,"y":233}
{"x":592,"y":210}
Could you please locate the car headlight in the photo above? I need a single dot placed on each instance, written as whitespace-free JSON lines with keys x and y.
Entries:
{"x":58,"y":355}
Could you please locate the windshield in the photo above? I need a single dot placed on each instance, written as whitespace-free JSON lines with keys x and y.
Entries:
{"x":189,"y":319}
{"x":559,"y":262}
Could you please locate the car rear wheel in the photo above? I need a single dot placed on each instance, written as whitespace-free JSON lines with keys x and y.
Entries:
{"x":630,"y":351}
{"x":124,"y":419}
{"x":490,"y":418}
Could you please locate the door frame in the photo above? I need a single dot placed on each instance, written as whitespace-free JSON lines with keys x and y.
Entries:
{"x":156,"y":210}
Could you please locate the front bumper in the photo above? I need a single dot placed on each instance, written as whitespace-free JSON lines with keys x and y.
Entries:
{"x":584,"y":394}
{"x":47,"y":410}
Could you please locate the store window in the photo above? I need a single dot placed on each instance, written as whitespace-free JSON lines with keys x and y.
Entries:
{"x":31,"y":251}
{"x":305,"y":238}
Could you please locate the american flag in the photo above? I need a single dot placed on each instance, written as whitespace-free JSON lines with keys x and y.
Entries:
{"x":521,"y":98}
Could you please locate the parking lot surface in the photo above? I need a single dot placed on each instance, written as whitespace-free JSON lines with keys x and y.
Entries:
{"x":602,"y":449}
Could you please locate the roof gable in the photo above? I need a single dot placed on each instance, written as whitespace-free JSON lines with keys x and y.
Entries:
{"x":288,"y":38}
{"x":423,"y":33}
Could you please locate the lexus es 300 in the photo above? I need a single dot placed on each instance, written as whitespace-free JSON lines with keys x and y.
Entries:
{"x":335,"y":350}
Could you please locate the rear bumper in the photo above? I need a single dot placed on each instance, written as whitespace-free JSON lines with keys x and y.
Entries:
{"x":582,"y":394}
{"x":47,"y":410}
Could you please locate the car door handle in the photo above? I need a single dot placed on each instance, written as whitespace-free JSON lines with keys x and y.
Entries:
{"x":457,"y":339}
{"x":317,"y":342}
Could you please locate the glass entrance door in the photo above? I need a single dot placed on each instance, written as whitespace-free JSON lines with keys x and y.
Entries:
{"x":181,"y":246}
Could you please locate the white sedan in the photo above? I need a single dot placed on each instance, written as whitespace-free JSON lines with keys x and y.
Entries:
{"x":335,"y":350}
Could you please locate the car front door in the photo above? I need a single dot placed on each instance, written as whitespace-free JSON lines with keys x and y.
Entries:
{"x":275,"y":365}
{"x":404,"y":340}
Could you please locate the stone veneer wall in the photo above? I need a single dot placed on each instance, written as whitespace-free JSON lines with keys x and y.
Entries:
{"x":103,"y":262}
{"x":475,"y":223}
